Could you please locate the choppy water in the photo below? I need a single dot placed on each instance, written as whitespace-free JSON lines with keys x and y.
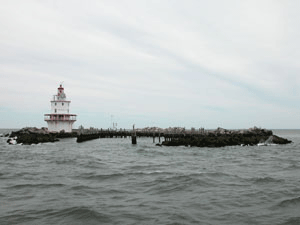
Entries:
{"x":110,"y":181}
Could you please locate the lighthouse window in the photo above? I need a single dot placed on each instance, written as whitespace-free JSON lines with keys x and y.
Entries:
{"x":55,"y":103}
{"x":55,"y":110}
{"x":62,"y":104}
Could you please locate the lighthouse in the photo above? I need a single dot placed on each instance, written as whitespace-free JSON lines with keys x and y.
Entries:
{"x":60,"y":117}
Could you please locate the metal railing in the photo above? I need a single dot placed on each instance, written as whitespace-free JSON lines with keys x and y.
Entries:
{"x":60,"y":117}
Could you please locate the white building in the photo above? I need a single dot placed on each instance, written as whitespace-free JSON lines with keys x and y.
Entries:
{"x":60,"y":117}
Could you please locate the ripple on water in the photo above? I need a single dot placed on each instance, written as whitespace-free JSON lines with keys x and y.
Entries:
{"x":71,"y":215}
{"x":176,"y":183}
{"x":78,"y":215}
{"x":100,"y":177}
{"x":293,"y":202}
{"x":291,"y":221}
{"x":110,"y":181}
{"x":266,"y":180}
{"x":39,"y":185}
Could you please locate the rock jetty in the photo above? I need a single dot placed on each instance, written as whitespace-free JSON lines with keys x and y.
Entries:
{"x":172,"y":137}
{"x":33,"y":135}
{"x":222,"y":137}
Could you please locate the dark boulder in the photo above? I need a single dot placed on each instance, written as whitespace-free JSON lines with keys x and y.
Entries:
{"x":280,"y":140}
{"x":32,"y":135}
{"x":222,"y":137}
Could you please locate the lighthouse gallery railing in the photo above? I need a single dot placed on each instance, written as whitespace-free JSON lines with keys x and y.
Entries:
{"x":60,"y":117}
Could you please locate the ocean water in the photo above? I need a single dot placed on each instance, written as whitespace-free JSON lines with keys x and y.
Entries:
{"x":110,"y":181}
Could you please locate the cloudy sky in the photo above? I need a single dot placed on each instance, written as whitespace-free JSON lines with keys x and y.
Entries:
{"x":191,"y":63}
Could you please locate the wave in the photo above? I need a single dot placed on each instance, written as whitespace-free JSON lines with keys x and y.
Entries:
{"x":80,"y":187}
{"x":217,"y":174}
{"x":184,"y":181}
{"x":151,"y":172}
{"x":142,"y":150}
{"x":72,"y":215}
{"x":64,"y":161}
{"x":92,"y":176}
{"x":79,"y":215}
{"x":139,"y":167}
{"x":289,"y":203}
{"x":20,"y":176}
{"x":153,"y":151}
{"x":20,"y":186}
{"x":176,"y":183}
{"x":93,"y":165}
{"x":293,"y":166}
{"x":292,"y":221}
{"x":86,"y":162}
{"x":17,"y":218}
{"x":265,"y":180}
{"x":171,"y":175}
{"x":87,"y":190}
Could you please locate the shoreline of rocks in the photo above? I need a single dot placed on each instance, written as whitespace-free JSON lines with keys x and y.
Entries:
{"x":33,"y":135}
{"x":212,"y":138}
{"x":222,"y":137}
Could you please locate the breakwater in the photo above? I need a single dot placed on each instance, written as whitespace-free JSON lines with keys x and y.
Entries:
{"x":222,"y":137}
{"x":202,"y":138}
{"x":167,"y":137}
{"x":33,"y":135}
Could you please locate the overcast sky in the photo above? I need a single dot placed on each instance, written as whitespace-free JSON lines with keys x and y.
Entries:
{"x":191,"y":63}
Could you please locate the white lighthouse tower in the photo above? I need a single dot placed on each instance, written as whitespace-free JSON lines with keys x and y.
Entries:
{"x":60,"y":117}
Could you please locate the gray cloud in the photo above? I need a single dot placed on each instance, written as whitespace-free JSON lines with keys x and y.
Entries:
{"x":204,"y":63}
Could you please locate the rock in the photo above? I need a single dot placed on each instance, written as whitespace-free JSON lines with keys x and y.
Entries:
{"x":4,"y":135}
{"x":66,"y":135}
{"x":280,"y":140}
{"x":33,"y":135}
{"x":222,"y":137}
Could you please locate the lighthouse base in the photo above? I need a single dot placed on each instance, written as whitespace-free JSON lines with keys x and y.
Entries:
{"x":57,"y":126}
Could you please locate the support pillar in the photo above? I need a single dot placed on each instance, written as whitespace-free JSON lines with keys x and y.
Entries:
{"x":133,"y":139}
{"x":133,"y":136}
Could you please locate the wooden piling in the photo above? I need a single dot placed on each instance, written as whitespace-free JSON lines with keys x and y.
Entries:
{"x":133,"y":136}
{"x":133,"y":139}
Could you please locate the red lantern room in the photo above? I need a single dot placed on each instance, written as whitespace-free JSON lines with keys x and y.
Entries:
{"x":60,"y":90}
